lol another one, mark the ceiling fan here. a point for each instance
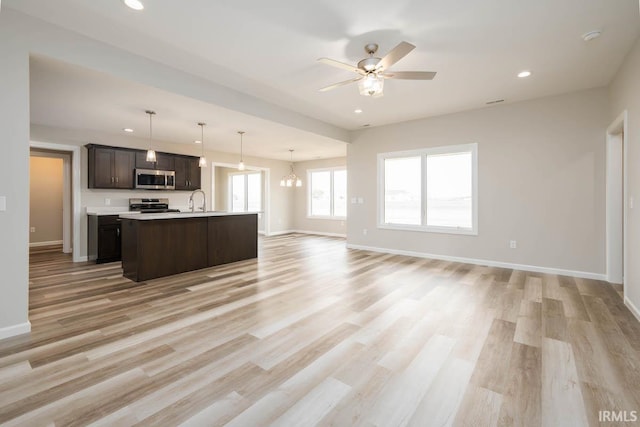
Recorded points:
(373, 70)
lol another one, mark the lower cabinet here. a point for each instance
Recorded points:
(104, 240)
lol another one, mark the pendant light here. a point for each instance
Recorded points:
(241, 164)
(203, 160)
(151, 154)
(291, 179)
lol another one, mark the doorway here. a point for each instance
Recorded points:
(48, 190)
(616, 196)
(70, 155)
(238, 191)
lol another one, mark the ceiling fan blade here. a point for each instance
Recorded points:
(409, 75)
(395, 55)
(341, 65)
(346, 82)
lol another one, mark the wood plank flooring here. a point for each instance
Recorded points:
(311, 333)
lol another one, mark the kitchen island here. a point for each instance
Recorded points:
(159, 245)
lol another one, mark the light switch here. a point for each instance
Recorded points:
(631, 202)
(3, 203)
(360, 200)
(354, 200)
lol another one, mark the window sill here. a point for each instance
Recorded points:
(423, 229)
(334, 218)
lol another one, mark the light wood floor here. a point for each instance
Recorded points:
(314, 334)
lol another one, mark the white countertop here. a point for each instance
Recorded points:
(109, 211)
(178, 215)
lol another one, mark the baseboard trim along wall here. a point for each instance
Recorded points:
(15, 330)
(523, 267)
(319, 233)
(51, 243)
(632, 308)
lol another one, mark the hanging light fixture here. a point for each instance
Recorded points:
(241, 164)
(371, 85)
(151, 155)
(291, 179)
(203, 160)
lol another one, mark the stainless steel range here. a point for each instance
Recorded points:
(150, 205)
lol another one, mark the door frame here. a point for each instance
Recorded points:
(616, 134)
(71, 174)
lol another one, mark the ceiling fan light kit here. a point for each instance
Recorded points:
(371, 85)
(373, 70)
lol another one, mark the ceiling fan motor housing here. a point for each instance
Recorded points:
(368, 64)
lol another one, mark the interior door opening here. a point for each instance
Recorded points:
(50, 220)
(615, 201)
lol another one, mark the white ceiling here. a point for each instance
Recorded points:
(269, 49)
(69, 96)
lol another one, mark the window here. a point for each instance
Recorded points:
(246, 192)
(433, 189)
(327, 194)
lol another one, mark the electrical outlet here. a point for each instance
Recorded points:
(513, 244)
(364, 231)
(107, 202)
(33, 229)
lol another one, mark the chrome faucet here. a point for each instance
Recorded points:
(204, 201)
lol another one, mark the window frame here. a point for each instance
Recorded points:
(331, 193)
(246, 190)
(423, 153)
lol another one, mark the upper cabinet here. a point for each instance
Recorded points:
(110, 167)
(187, 173)
(163, 162)
(114, 167)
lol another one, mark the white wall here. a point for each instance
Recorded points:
(300, 220)
(280, 199)
(14, 182)
(625, 95)
(541, 182)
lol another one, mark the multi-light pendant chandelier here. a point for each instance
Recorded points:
(241, 164)
(151, 154)
(203, 160)
(291, 179)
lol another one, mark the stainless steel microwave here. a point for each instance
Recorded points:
(151, 179)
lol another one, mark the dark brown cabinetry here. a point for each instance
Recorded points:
(232, 238)
(164, 161)
(187, 173)
(104, 238)
(114, 167)
(110, 167)
(161, 247)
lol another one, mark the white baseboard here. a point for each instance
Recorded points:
(280, 233)
(632, 308)
(320, 233)
(81, 259)
(15, 330)
(523, 267)
(51, 243)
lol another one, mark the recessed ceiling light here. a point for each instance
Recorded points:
(128, 130)
(523, 74)
(591, 35)
(134, 4)
(197, 141)
(357, 111)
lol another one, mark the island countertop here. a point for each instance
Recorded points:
(180, 215)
